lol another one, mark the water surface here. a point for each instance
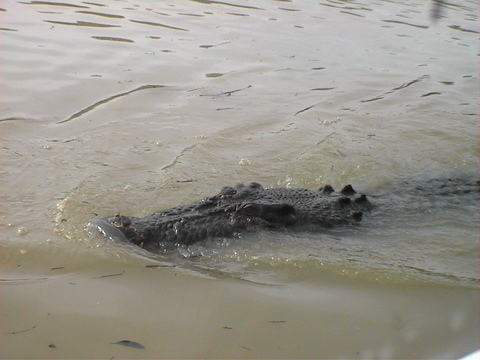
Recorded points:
(137, 106)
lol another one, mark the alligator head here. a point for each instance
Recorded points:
(239, 209)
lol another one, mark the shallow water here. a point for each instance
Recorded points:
(134, 107)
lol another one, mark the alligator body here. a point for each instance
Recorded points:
(240, 209)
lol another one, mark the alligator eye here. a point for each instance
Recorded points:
(248, 209)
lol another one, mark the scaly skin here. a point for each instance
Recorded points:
(240, 209)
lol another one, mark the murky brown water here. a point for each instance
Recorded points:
(137, 106)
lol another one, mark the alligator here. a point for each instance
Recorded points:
(239, 209)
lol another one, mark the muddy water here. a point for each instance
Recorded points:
(137, 106)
